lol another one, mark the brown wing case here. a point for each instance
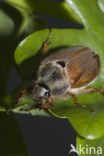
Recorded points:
(64, 55)
(83, 67)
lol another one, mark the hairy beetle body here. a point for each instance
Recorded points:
(76, 66)
(67, 72)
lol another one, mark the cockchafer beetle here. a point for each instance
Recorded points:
(65, 73)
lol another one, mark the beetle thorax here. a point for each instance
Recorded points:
(52, 76)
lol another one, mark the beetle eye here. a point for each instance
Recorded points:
(47, 94)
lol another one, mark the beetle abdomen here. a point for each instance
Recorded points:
(83, 67)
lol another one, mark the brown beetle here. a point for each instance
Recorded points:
(65, 73)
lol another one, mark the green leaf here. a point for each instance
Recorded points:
(101, 5)
(59, 10)
(27, 56)
(27, 50)
(90, 147)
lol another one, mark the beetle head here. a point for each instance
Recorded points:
(40, 91)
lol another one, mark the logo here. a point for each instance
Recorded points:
(85, 150)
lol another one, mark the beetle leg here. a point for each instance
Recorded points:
(80, 105)
(90, 90)
(29, 108)
(35, 106)
(46, 43)
(49, 103)
(47, 106)
(40, 105)
(22, 94)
